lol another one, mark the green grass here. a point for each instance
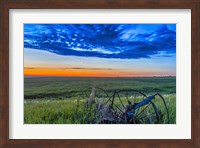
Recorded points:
(51, 100)
(57, 112)
(55, 87)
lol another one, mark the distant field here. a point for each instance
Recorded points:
(55, 87)
(52, 100)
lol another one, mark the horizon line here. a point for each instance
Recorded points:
(105, 76)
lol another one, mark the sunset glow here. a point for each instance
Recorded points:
(85, 73)
(100, 50)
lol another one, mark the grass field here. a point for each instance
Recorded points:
(53, 100)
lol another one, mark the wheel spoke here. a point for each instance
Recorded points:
(120, 100)
(143, 110)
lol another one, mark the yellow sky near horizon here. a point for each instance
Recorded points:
(86, 72)
(43, 63)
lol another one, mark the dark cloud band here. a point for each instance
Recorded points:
(124, 41)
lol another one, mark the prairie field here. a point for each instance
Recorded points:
(60, 100)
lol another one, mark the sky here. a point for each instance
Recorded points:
(100, 50)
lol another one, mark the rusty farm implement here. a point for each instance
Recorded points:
(125, 106)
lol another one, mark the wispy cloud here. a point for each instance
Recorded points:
(124, 41)
(68, 68)
(90, 68)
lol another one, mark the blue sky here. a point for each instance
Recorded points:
(132, 45)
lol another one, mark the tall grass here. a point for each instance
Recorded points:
(54, 100)
(65, 111)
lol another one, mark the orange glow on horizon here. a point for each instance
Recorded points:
(82, 72)
(61, 72)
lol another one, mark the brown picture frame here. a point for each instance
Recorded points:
(5, 5)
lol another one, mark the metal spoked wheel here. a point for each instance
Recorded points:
(124, 102)
(126, 107)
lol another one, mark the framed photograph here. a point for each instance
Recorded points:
(107, 73)
(99, 73)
